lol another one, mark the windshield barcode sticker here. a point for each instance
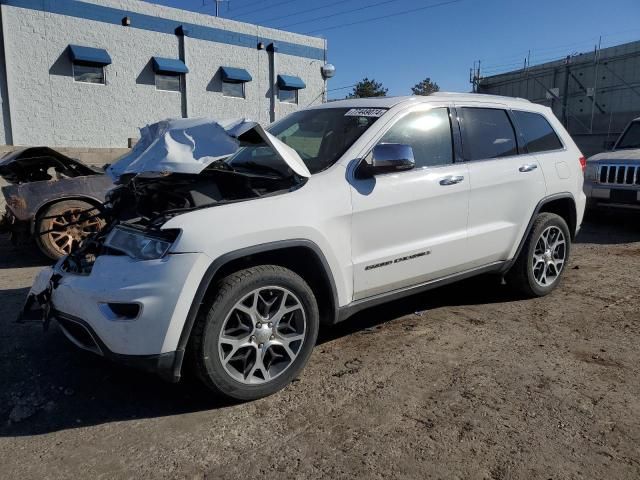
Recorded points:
(365, 112)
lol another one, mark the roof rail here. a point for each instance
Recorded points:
(481, 95)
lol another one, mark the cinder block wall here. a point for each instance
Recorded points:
(43, 105)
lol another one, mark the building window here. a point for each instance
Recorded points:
(233, 89)
(88, 73)
(88, 63)
(233, 80)
(288, 96)
(288, 87)
(170, 82)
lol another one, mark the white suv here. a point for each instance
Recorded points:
(231, 267)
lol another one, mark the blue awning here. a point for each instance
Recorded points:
(89, 55)
(169, 65)
(235, 75)
(289, 82)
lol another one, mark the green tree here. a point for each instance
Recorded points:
(425, 87)
(368, 88)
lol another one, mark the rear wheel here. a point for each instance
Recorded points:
(257, 334)
(543, 258)
(63, 225)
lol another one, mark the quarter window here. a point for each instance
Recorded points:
(288, 96)
(487, 133)
(538, 133)
(168, 82)
(233, 89)
(429, 135)
(88, 73)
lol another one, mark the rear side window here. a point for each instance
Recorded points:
(487, 133)
(538, 133)
(429, 135)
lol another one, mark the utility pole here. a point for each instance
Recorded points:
(217, 2)
(565, 94)
(595, 82)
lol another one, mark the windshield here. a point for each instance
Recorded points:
(631, 138)
(320, 137)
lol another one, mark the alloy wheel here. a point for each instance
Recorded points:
(66, 231)
(262, 335)
(549, 256)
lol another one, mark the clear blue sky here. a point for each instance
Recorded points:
(440, 42)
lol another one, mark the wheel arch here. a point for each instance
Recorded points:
(39, 211)
(562, 204)
(302, 256)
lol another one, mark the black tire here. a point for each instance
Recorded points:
(53, 238)
(521, 275)
(204, 352)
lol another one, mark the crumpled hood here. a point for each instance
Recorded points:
(189, 145)
(624, 154)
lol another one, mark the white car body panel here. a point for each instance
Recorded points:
(354, 223)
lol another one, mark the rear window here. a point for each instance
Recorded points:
(487, 133)
(538, 133)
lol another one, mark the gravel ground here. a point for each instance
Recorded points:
(466, 381)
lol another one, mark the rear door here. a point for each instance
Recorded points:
(410, 227)
(505, 186)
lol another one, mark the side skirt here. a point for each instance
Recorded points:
(354, 307)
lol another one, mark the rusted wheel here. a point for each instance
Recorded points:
(64, 225)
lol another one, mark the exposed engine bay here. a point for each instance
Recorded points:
(145, 199)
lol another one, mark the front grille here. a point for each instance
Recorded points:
(619, 174)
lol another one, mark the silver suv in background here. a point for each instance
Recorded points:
(613, 178)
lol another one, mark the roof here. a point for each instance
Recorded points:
(388, 102)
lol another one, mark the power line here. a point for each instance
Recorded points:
(264, 8)
(304, 11)
(366, 7)
(251, 4)
(435, 5)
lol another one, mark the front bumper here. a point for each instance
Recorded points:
(612, 195)
(166, 365)
(163, 289)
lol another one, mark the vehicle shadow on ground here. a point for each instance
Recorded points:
(48, 385)
(609, 227)
(20, 256)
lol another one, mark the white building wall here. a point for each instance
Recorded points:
(48, 107)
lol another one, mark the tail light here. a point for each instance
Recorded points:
(583, 164)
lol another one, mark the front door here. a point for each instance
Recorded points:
(410, 227)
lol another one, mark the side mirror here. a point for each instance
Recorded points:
(391, 157)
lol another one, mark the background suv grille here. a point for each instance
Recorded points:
(619, 174)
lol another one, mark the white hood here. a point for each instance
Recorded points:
(189, 145)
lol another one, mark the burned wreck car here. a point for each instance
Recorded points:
(51, 198)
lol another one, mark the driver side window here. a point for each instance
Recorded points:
(429, 135)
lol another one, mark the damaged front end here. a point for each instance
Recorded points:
(181, 166)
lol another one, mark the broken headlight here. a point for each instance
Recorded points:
(140, 245)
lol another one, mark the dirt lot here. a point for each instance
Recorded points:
(464, 382)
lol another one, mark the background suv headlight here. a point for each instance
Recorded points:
(592, 171)
(141, 245)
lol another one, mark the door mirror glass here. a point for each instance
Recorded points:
(392, 157)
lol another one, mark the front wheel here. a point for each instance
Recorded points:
(543, 258)
(257, 334)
